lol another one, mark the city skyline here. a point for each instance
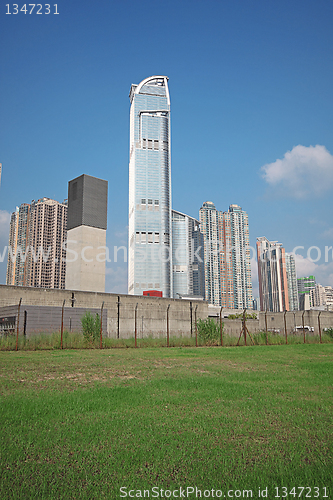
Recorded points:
(251, 114)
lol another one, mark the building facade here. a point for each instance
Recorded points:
(272, 275)
(150, 222)
(37, 255)
(304, 287)
(86, 234)
(187, 256)
(226, 256)
(292, 282)
(11, 262)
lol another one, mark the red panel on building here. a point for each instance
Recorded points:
(153, 293)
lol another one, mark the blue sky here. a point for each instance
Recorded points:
(249, 82)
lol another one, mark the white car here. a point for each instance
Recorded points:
(307, 328)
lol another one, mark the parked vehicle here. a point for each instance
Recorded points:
(307, 328)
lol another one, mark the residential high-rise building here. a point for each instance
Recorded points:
(11, 262)
(150, 222)
(37, 256)
(318, 295)
(292, 282)
(187, 256)
(86, 234)
(304, 286)
(226, 256)
(208, 216)
(272, 275)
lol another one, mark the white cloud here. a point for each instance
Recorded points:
(328, 233)
(303, 171)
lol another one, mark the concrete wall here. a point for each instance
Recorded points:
(47, 319)
(152, 312)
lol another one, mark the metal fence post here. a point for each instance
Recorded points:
(319, 326)
(118, 316)
(285, 326)
(62, 324)
(221, 326)
(303, 325)
(196, 326)
(101, 330)
(266, 327)
(191, 308)
(135, 324)
(168, 325)
(18, 323)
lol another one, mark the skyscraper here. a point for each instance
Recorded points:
(292, 282)
(187, 256)
(11, 262)
(304, 286)
(272, 275)
(150, 223)
(36, 254)
(227, 256)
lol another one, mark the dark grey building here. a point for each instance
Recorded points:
(86, 233)
(87, 202)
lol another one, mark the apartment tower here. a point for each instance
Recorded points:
(37, 236)
(226, 256)
(272, 275)
(150, 222)
(187, 256)
(292, 282)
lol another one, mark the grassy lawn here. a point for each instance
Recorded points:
(81, 424)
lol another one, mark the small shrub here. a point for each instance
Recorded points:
(91, 326)
(241, 315)
(329, 331)
(208, 331)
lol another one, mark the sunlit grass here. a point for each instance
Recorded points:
(82, 424)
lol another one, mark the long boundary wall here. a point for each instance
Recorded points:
(151, 312)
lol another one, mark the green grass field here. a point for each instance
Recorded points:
(81, 424)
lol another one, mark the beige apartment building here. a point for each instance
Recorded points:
(36, 254)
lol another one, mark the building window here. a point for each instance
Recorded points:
(150, 202)
(157, 237)
(150, 237)
(143, 201)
